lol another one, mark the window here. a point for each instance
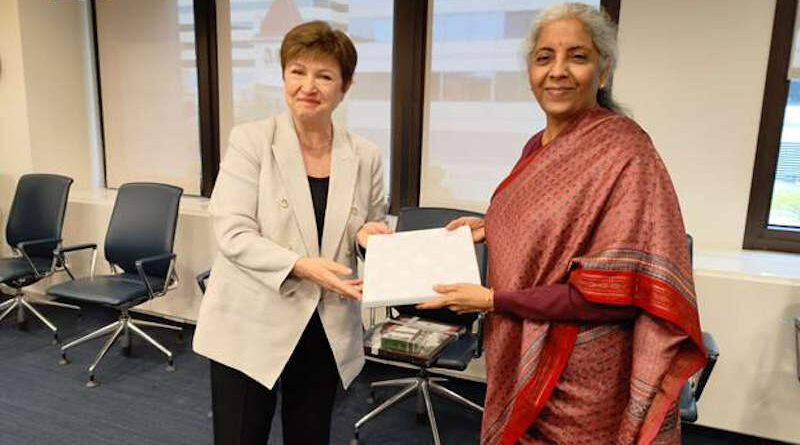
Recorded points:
(480, 108)
(257, 29)
(146, 54)
(773, 216)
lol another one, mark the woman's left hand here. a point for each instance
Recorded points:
(371, 228)
(461, 298)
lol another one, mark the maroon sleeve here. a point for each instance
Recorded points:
(558, 302)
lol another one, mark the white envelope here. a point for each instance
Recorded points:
(403, 267)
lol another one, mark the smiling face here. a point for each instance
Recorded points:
(564, 70)
(313, 87)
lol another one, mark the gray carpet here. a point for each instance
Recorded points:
(138, 402)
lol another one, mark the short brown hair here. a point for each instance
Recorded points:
(317, 38)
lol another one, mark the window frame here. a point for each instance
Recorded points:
(758, 233)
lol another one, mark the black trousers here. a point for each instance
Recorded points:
(243, 408)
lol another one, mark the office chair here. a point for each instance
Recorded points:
(33, 231)
(693, 388)
(202, 280)
(139, 241)
(455, 356)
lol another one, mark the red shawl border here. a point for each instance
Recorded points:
(650, 294)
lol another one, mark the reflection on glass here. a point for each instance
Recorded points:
(785, 207)
(481, 108)
(257, 29)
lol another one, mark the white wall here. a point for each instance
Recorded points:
(47, 123)
(693, 74)
(58, 87)
(14, 135)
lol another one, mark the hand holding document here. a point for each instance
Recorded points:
(403, 267)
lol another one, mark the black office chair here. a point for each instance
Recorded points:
(456, 355)
(33, 231)
(139, 241)
(693, 388)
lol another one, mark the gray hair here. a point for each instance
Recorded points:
(600, 28)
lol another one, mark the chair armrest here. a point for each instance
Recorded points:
(62, 250)
(201, 280)
(479, 348)
(24, 245)
(140, 263)
(59, 252)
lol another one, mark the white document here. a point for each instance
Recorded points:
(403, 267)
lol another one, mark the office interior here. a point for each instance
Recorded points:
(692, 73)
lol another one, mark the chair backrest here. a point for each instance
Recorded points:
(418, 218)
(37, 211)
(142, 225)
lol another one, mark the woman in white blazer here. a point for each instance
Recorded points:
(293, 196)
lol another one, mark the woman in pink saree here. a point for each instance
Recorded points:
(593, 325)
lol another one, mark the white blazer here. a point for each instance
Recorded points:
(254, 311)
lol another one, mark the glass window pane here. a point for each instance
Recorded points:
(481, 109)
(257, 29)
(146, 55)
(785, 207)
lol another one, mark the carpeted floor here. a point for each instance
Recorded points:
(138, 402)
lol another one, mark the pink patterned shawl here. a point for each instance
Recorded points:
(596, 207)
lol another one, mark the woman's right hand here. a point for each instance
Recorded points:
(326, 273)
(475, 224)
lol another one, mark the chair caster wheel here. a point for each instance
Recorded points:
(422, 418)
(355, 441)
(64, 360)
(92, 383)
(126, 351)
(180, 339)
(371, 397)
(170, 366)
(55, 339)
(22, 325)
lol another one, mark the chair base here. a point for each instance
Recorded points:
(120, 328)
(424, 384)
(22, 304)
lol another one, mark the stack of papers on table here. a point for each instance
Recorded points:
(403, 267)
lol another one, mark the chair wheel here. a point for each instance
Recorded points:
(371, 397)
(170, 366)
(355, 441)
(23, 325)
(55, 339)
(422, 418)
(126, 351)
(92, 383)
(64, 360)
(180, 339)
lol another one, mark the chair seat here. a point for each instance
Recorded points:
(112, 290)
(18, 267)
(458, 354)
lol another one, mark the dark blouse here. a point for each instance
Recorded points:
(559, 302)
(319, 196)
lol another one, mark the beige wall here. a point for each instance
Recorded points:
(692, 72)
(14, 135)
(58, 87)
